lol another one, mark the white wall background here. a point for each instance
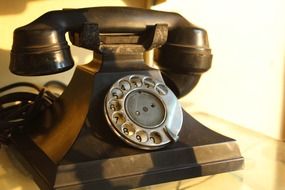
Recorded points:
(245, 84)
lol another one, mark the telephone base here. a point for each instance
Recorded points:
(199, 152)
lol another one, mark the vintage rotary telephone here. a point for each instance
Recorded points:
(115, 95)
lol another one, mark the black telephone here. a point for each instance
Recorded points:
(115, 95)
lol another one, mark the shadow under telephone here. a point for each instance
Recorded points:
(116, 102)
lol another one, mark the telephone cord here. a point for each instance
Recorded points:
(20, 107)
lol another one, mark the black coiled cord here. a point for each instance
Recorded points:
(19, 108)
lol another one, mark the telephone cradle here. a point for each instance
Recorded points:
(118, 124)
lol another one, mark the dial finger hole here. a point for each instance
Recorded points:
(141, 136)
(128, 129)
(161, 89)
(136, 81)
(125, 85)
(118, 118)
(117, 93)
(149, 83)
(115, 105)
(155, 138)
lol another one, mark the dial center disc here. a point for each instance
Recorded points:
(145, 109)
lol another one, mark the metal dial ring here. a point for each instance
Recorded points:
(143, 112)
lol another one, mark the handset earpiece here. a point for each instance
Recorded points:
(183, 59)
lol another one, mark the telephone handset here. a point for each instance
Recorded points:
(137, 102)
